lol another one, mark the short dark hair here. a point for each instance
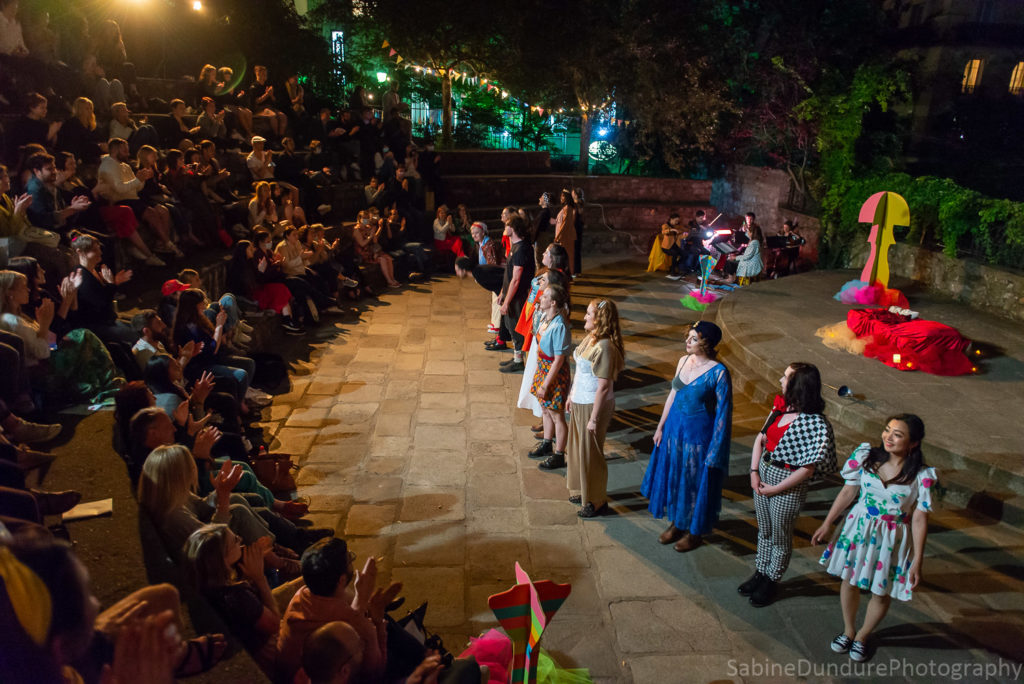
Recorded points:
(173, 157)
(700, 212)
(38, 160)
(751, 214)
(324, 563)
(519, 227)
(559, 256)
(465, 263)
(803, 389)
(33, 100)
(144, 319)
(61, 160)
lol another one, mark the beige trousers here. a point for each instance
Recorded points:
(587, 471)
(495, 311)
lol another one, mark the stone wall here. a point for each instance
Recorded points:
(764, 192)
(989, 288)
(494, 161)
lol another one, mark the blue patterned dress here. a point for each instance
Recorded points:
(684, 477)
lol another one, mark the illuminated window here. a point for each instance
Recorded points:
(1017, 80)
(972, 75)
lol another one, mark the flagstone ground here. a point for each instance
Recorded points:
(412, 449)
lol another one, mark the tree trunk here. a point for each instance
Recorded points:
(584, 164)
(446, 111)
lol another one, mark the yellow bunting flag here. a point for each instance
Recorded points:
(386, 44)
(399, 60)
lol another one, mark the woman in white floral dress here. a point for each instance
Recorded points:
(880, 547)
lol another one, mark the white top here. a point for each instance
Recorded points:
(584, 387)
(36, 348)
(117, 181)
(441, 230)
(143, 351)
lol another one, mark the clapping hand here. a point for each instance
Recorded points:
(205, 440)
(222, 318)
(145, 651)
(366, 580)
(381, 599)
(427, 671)
(192, 426)
(251, 565)
(201, 390)
(68, 289)
(22, 203)
(226, 479)
(261, 266)
(80, 203)
(44, 314)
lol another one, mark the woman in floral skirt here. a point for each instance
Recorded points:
(881, 545)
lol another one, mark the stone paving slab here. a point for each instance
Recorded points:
(420, 455)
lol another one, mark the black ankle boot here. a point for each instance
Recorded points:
(764, 594)
(555, 460)
(543, 449)
(748, 587)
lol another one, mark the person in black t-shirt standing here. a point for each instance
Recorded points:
(519, 272)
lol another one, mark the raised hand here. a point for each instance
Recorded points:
(226, 479)
(80, 203)
(251, 565)
(222, 318)
(201, 390)
(22, 203)
(366, 580)
(123, 277)
(205, 440)
(145, 651)
(381, 599)
(107, 274)
(192, 425)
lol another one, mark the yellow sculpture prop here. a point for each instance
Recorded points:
(884, 211)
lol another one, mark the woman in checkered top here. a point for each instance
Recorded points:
(795, 445)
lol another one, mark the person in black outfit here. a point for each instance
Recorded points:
(540, 234)
(577, 195)
(519, 271)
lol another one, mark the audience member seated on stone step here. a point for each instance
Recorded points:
(323, 260)
(22, 503)
(49, 210)
(95, 294)
(106, 223)
(64, 297)
(260, 161)
(31, 128)
(445, 239)
(15, 383)
(265, 102)
(178, 129)
(190, 408)
(328, 571)
(154, 338)
(188, 188)
(22, 236)
(80, 135)
(234, 101)
(374, 193)
(159, 199)
(239, 332)
(210, 124)
(263, 209)
(119, 185)
(244, 276)
(286, 196)
(104, 92)
(124, 127)
(191, 324)
(311, 292)
(231, 576)
(59, 631)
(367, 235)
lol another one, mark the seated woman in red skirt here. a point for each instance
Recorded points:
(445, 239)
(253, 278)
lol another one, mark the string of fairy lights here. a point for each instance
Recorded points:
(492, 86)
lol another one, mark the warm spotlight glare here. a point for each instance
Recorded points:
(197, 5)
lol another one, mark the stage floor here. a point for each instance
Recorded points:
(411, 447)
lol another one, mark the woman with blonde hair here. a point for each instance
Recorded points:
(230, 576)
(79, 134)
(262, 208)
(232, 100)
(599, 359)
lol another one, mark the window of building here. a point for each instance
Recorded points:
(1017, 79)
(972, 75)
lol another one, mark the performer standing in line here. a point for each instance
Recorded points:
(551, 381)
(795, 444)
(578, 198)
(691, 445)
(565, 228)
(599, 359)
(881, 545)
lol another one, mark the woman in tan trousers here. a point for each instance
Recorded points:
(565, 227)
(599, 359)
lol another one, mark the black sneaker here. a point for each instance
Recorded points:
(290, 328)
(554, 461)
(514, 367)
(748, 587)
(494, 346)
(842, 643)
(543, 449)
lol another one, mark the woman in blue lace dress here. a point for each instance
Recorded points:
(691, 445)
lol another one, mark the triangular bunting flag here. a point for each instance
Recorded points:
(393, 52)
(399, 60)
(386, 44)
